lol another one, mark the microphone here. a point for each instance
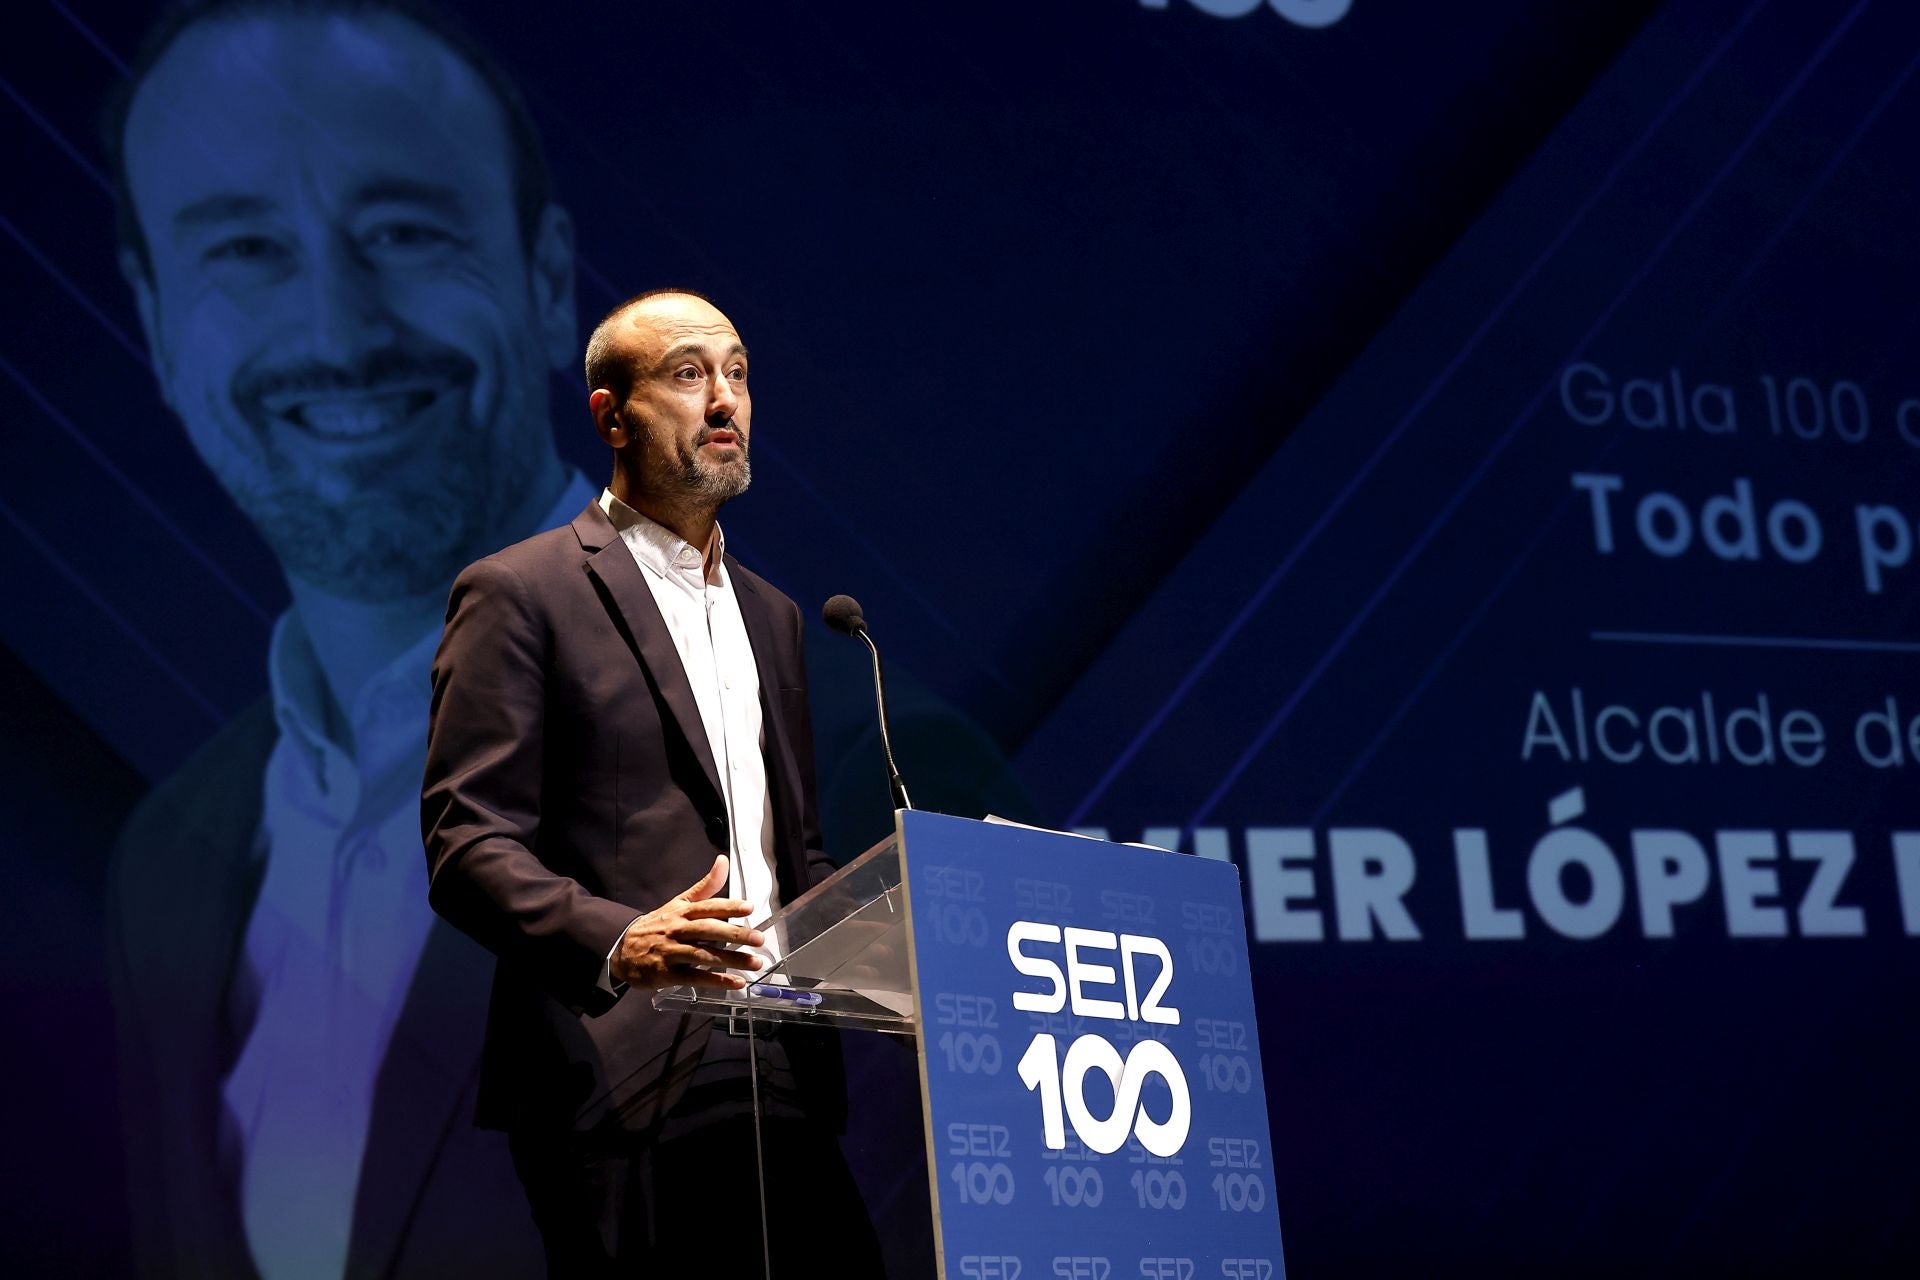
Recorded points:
(842, 613)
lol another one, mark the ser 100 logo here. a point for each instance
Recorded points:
(1301, 13)
(1062, 1085)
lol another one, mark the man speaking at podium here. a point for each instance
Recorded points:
(619, 778)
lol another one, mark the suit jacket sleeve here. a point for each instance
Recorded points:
(480, 800)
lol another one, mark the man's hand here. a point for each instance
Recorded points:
(668, 947)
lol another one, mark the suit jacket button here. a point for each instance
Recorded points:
(717, 830)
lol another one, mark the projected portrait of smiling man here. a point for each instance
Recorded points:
(351, 296)
(353, 284)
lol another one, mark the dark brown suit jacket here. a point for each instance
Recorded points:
(569, 787)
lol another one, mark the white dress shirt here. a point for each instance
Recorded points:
(332, 944)
(703, 617)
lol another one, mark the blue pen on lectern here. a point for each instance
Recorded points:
(806, 998)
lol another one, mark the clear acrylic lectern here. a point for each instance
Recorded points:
(1075, 995)
(839, 958)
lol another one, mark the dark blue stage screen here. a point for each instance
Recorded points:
(1455, 462)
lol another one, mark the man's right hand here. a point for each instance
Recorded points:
(673, 945)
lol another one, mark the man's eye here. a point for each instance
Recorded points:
(244, 249)
(688, 374)
(406, 237)
(737, 374)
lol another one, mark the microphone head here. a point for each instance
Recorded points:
(842, 613)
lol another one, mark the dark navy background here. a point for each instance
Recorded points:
(1180, 396)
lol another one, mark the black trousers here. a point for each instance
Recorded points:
(617, 1204)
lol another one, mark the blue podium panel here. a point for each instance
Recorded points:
(1089, 1060)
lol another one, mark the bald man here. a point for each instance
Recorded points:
(619, 779)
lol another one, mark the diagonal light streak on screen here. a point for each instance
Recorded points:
(72, 290)
(147, 504)
(1772, 242)
(1445, 655)
(1340, 499)
(59, 139)
(1839, 157)
(597, 279)
(92, 37)
(1506, 437)
(85, 441)
(99, 602)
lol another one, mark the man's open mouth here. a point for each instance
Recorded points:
(347, 416)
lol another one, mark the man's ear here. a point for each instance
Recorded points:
(552, 272)
(134, 272)
(607, 420)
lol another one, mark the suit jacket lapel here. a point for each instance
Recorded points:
(423, 1091)
(625, 584)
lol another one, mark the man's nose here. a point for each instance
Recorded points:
(347, 307)
(723, 401)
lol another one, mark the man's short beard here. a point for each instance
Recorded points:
(398, 524)
(707, 482)
(389, 541)
(379, 534)
(715, 483)
(376, 549)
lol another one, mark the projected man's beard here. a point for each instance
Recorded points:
(380, 481)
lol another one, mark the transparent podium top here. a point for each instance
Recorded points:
(838, 952)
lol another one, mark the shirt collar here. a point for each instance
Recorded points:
(659, 549)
